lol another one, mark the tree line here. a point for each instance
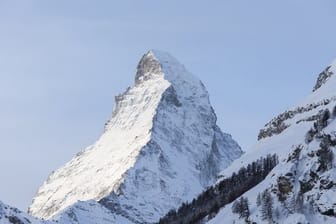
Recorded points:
(208, 203)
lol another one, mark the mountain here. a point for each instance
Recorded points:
(298, 187)
(160, 148)
(162, 158)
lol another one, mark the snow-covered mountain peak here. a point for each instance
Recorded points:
(161, 147)
(157, 72)
(159, 63)
(148, 68)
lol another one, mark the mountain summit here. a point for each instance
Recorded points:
(160, 148)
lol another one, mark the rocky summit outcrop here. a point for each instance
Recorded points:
(160, 148)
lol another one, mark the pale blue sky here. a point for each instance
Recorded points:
(62, 62)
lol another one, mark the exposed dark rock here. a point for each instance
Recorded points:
(296, 154)
(323, 78)
(289, 174)
(284, 187)
(326, 184)
(306, 186)
(170, 97)
(329, 212)
(147, 66)
(15, 220)
(277, 125)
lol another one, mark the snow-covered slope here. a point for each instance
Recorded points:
(88, 212)
(161, 147)
(10, 215)
(303, 184)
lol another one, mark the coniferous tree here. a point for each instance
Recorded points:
(322, 120)
(310, 135)
(325, 154)
(267, 206)
(236, 207)
(246, 209)
(241, 208)
(258, 200)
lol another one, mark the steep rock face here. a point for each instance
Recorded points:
(302, 185)
(161, 147)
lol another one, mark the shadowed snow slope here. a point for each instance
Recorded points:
(161, 147)
(10, 215)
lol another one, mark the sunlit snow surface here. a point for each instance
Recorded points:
(161, 147)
